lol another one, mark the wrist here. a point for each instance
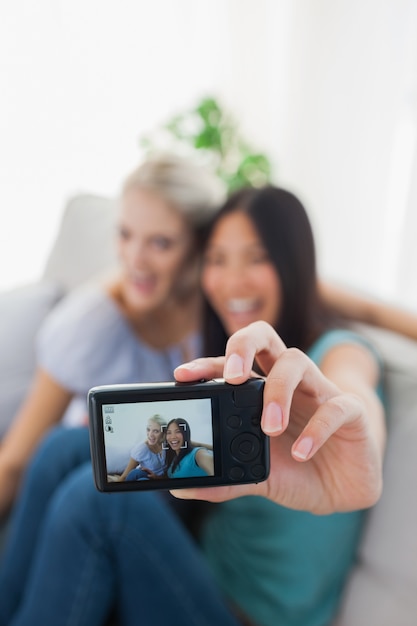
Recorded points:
(9, 466)
(10, 476)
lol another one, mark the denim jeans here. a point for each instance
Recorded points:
(61, 451)
(74, 553)
(137, 474)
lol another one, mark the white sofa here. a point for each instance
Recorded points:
(382, 589)
(82, 250)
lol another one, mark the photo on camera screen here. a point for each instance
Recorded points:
(158, 440)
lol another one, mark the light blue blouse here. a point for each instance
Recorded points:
(86, 341)
(151, 460)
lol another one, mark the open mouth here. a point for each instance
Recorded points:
(242, 305)
(143, 282)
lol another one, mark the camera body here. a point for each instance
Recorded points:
(208, 419)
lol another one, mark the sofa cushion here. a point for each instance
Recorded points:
(22, 312)
(85, 245)
(117, 458)
(382, 587)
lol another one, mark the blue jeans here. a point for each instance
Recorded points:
(59, 453)
(74, 553)
(137, 474)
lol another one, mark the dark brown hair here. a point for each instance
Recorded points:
(285, 231)
(172, 459)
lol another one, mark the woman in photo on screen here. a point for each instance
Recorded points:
(184, 459)
(147, 458)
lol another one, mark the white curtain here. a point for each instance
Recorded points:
(327, 88)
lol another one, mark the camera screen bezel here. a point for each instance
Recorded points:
(219, 394)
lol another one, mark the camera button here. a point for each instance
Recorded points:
(245, 447)
(234, 421)
(255, 420)
(258, 471)
(236, 473)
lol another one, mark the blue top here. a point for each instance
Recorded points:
(283, 567)
(188, 467)
(154, 461)
(86, 341)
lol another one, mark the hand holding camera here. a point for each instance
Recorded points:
(326, 442)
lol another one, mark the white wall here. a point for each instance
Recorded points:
(327, 88)
(80, 82)
(352, 78)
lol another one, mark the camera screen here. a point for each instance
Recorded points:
(155, 440)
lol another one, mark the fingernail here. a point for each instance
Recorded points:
(303, 448)
(233, 367)
(272, 419)
(187, 366)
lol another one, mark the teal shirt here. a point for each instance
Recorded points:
(283, 567)
(188, 466)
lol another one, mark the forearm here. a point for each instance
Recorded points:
(204, 460)
(356, 372)
(42, 408)
(393, 318)
(370, 311)
(130, 466)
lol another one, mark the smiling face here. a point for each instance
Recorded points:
(175, 437)
(238, 277)
(154, 433)
(154, 243)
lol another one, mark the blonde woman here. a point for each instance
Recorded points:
(136, 327)
(148, 456)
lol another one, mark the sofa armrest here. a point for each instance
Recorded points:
(382, 586)
(22, 311)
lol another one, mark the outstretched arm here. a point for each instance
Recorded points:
(129, 467)
(357, 307)
(204, 459)
(326, 426)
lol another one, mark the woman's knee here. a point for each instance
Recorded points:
(79, 505)
(74, 501)
(60, 451)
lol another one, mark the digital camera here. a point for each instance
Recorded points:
(177, 435)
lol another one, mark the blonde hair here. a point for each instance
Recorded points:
(158, 419)
(161, 421)
(193, 190)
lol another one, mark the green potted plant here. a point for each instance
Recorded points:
(213, 133)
